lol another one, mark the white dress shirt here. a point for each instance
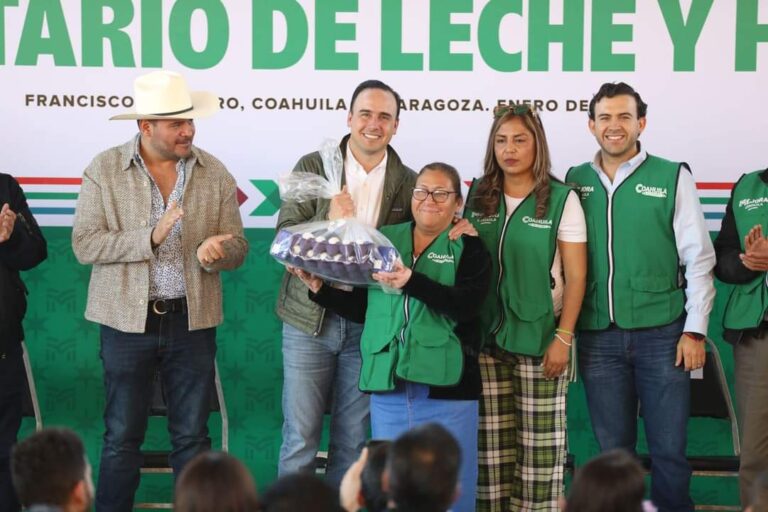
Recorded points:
(366, 188)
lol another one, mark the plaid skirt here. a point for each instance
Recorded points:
(522, 442)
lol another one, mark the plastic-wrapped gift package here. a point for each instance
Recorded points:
(343, 251)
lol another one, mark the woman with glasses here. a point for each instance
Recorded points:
(419, 346)
(534, 227)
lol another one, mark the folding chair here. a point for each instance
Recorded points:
(30, 406)
(711, 398)
(156, 461)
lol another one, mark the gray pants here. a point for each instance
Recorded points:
(751, 362)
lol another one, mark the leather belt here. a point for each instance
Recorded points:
(163, 306)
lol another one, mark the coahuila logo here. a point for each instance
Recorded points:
(538, 223)
(484, 219)
(753, 204)
(440, 258)
(645, 190)
(585, 190)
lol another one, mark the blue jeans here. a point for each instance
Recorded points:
(186, 362)
(11, 393)
(620, 367)
(318, 372)
(409, 405)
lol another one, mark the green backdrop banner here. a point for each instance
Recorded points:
(64, 349)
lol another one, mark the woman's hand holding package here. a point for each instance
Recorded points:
(395, 279)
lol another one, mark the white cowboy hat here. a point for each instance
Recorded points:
(164, 95)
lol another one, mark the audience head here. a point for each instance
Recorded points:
(215, 482)
(423, 469)
(611, 482)
(50, 468)
(300, 491)
(374, 497)
(759, 497)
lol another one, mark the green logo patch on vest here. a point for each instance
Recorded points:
(753, 204)
(649, 191)
(537, 223)
(440, 258)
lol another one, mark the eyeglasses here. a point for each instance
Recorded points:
(519, 109)
(438, 196)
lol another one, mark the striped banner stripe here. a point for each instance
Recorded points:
(713, 197)
(51, 199)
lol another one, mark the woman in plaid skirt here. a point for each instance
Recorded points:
(534, 227)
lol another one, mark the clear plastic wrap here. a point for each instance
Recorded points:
(344, 251)
(305, 186)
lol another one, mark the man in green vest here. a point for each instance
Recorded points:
(742, 260)
(649, 292)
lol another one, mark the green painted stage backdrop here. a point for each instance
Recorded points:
(64, 349)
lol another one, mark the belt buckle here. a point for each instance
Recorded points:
(157, 311)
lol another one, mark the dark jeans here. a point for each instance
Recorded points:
(186, 362)
(11, 393)
(620, 367)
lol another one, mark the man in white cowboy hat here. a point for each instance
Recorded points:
(158, 219)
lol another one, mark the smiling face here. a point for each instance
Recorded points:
(617, 127)
(430, 216)
(168, 139)
(372, 123)
(515, 148)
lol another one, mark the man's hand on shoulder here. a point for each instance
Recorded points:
(7, 221)
(342, 205)
(461, 227)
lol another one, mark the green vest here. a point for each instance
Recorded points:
(633, 270)
(748, 302)
(518, 314)
(404, 338)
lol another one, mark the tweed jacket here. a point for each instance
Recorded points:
(112, 232)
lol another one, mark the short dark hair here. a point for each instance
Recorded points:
(450, 171)
(375, 84)
(611, 481)
(215, 481)
(612, 89)
(370, 479)
(423, 469)
(47, 466)
(300, 491)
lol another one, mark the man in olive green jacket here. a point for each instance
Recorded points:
(321, 351)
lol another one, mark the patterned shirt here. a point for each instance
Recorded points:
(166, 271)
